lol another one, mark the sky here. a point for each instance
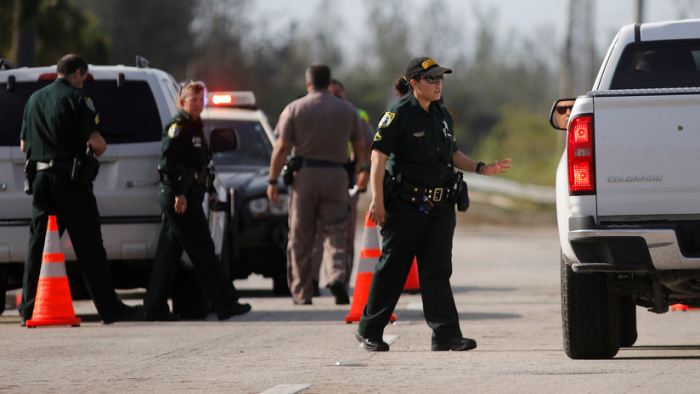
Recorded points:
(519, 16)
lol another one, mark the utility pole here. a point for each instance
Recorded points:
(578, 54)
(638, 10)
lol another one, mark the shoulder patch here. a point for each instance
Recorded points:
(89, 103)
(386, 119)
(174, 130)
(377, 137)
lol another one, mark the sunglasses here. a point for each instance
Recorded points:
(563, 109)
(187, 82)
(432, 80)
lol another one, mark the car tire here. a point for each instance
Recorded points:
(628, 321)
(590, 315)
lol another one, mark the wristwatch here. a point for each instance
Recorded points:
(478, 167)
(272, 181)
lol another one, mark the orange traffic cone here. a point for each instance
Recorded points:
(681, 307)
(368, 260)
(53, 305)
(412, 285)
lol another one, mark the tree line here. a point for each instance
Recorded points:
(499, 94)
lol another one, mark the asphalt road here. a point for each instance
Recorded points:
(506, 286)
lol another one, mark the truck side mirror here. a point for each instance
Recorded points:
(223, 140)
(560, 112)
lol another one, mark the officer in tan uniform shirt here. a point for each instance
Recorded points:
(318, 126)
(330, 270)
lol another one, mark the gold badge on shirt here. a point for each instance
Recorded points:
(386, 119)
(174, 130)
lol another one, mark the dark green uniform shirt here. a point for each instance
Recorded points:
(185, 154)
(419, 143)
(58, 120)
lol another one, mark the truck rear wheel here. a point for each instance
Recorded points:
(628, 322)
(590, 315)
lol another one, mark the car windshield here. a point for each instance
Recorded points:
(254, 146)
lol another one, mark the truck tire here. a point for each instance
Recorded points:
(628, 322)
(3, 294)
(590, 315)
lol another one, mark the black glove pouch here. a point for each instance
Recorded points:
(292, 165)
(29, 175)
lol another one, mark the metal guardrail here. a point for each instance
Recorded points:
(512, 189)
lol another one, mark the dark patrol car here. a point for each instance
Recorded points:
(255, 230)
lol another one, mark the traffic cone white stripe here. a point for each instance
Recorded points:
(54, 269)
(367, 264)
(370, 240)
(52, 244)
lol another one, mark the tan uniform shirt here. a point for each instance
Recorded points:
(319, 126)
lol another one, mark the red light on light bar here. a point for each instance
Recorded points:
(221, 99)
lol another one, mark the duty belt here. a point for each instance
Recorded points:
(436, 194)
(320, 163)
(56, 164)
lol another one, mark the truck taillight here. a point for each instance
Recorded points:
(580, 155)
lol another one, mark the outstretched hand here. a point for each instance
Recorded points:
(497, 167)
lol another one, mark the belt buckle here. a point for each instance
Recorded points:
(437, 194)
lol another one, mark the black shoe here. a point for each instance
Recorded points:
(317, 291)
(455, 344)
(372, 345)
(307, 302)
(237, 310)
(339, 292)
(127, 313)
(166, 316)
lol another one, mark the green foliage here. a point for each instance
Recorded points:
(47, 30)
(7, 11)
(63, 28)
(529, 140)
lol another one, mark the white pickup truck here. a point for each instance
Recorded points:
(628, 189)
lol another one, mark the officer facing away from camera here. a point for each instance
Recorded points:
(60, 122)
(319, 126)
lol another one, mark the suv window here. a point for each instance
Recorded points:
(127, 114)
(254, 146)
(659, 64)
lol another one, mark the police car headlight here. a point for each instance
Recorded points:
(258, 206)
(281, 207)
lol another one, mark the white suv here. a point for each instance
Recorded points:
(133, 103)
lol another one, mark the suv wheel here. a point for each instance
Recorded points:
(590, 315)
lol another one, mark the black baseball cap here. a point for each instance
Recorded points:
(424, 66)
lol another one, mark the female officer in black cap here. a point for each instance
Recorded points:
(415, 143)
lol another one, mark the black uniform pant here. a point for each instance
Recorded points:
(75, 208)
(189, 232)
(408, 233)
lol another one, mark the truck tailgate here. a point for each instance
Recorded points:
(647, 152)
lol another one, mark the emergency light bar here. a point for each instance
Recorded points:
(231, 99)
